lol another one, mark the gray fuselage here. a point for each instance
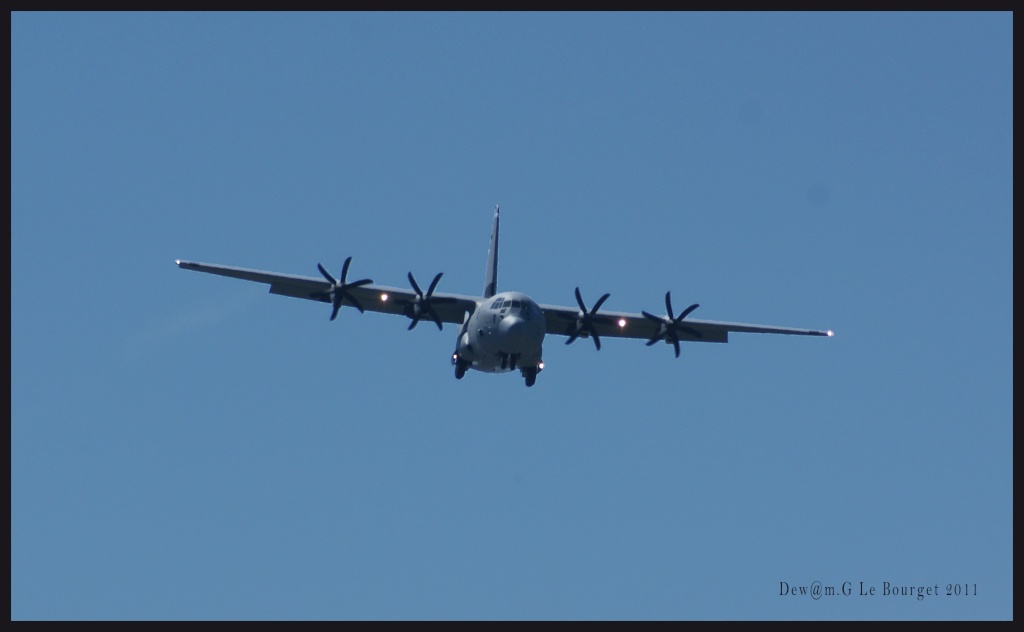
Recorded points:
(505, 332)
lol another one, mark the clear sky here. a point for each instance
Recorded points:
(185, 446)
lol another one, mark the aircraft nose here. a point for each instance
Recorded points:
(515, 331)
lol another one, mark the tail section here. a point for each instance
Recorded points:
(491, 280)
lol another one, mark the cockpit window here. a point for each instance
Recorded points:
(512, 304)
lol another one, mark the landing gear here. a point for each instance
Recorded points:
(530, 375)
(508, 361)
(460, 366)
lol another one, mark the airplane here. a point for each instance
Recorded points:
(498, 332)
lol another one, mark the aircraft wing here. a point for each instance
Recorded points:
(563, 321)
(450, 308)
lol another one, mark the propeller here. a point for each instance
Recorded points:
(423, 305)
(585, 321)
(670, 327)
(339, 292)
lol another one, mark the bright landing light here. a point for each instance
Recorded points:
(622, 323)
(383, 298)
(830, 333)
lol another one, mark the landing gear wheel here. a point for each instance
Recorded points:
(460, 368)
(530, 375)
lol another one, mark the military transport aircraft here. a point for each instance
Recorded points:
(499, 331)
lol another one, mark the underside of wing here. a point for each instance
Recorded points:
(432, 306)
(566, 321)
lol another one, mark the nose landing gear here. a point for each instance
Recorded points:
(508, 361)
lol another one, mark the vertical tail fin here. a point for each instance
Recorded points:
(491, 279)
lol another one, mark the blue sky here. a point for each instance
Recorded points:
(185, 446)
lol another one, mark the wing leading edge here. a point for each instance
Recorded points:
(450, 308)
